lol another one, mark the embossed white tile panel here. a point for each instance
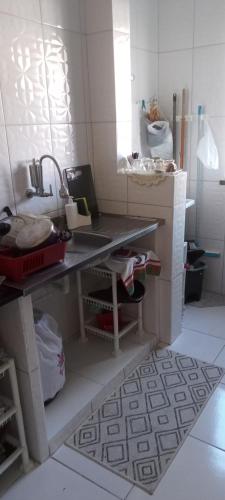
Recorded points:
(27, 142)
(61, 13)
(109, 185)
(70, 147)
(29, 9)
(161, 195)
(63, 53)
(69, 143)
(22, 71)
(178, 239)
(6, 188)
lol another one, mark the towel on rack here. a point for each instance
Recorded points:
(133, 263)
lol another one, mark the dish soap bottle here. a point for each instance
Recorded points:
(71, 213)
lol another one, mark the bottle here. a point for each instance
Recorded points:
(71, 214)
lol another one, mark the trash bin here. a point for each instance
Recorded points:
(194, 281)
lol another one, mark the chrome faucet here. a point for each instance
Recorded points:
(36, 175)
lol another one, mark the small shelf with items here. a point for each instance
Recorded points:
(118, 328)
(12, 435)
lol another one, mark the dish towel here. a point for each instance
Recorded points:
(133, 263)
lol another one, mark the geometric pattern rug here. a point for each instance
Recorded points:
(138, 430)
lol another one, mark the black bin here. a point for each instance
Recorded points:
(194, 282)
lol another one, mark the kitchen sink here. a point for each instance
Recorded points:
(87, 242)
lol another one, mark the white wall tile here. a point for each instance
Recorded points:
(121, 15)
(122, 72)
(22, 71)
(176, 22)
(209, 22)
(214, 272)
(6, 187)
(61, 13)
(63, 53)
(29, 9)
(144, 63)
(27, 142)
(98, 15)
(101, 77)
(162, 194)
(144, 24)
(170, 309)
(112, 207)
(211, 209)
(109, 185)
(173, 80)
(209, 79)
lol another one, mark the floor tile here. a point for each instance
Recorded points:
(76, 394)
(198, 345)
(220, 360)
(91, 470)
(210, 426)
(95, 361)
(197, 473)
(53, 481)
(209, 320)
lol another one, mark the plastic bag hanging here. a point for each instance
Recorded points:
(207, 151)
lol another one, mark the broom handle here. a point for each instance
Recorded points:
(174, 126)
(182, 137)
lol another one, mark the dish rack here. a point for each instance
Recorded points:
(16, 268)
(114, 306)
(10, 409)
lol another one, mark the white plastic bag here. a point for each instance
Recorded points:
(160, 140)
(51, 355)
(207, 151)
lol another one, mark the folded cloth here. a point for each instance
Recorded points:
(133, 263)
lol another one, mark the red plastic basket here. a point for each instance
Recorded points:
(17, 268)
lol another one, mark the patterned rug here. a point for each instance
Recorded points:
(140, 427)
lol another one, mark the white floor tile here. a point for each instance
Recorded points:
(209, 320)
(198, 346)
(53, 481)
(95, 360)
(210, 426)
(220, 360)
(197, 473)
(75, 396)
(91, 470)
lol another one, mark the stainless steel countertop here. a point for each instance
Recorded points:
(122, 230)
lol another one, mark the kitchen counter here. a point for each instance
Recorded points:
(121, 230)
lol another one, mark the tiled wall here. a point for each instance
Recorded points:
(192, 55)
(144, 58)
(44, 104)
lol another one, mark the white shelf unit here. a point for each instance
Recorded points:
(12, 410)
(114, 306)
